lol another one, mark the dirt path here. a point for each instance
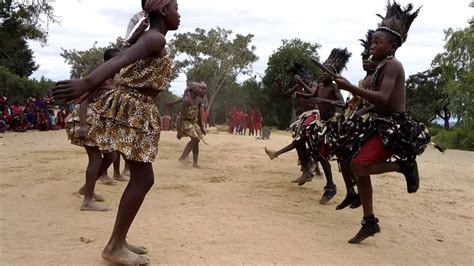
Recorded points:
(239, 209)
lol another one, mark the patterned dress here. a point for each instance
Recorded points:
(190, 124)
(127, 120)
(72, 122)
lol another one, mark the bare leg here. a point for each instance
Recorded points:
(274, 154)
(369, 223)
(330, 189)
(352, 198)
(375, 169)
(126, 167)
(316, 168)
(117, 176)
(141, 180)
(305, 163)
(187, 149)
(196, 153)
(92, 172)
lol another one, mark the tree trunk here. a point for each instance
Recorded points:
(446, 118)
(446, 122)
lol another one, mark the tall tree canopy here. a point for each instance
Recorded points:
(83, 62)
(426, 97)
(457, 71)
(278, 108)
(214, 56)
(21, 21)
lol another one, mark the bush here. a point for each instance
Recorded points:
(460, 138)
(434, 130)
(17, 88)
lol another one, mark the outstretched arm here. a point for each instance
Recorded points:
(288, 92)
(150, 43)
(171, 104)
(380, 97)
(316, 100)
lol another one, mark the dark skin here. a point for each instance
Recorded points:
(327, 97)
(355, 102)
(389, 96)
(301, 87)
(149, 44)
(195, 97)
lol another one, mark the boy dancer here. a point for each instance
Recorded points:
(388, 131)
(307, 116)
(327, 97)
(355, 109)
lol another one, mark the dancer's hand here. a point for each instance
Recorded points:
(69, 90)
(343, 83)
(203, 131)
(83, 131)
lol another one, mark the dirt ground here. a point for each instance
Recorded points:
(239, 209)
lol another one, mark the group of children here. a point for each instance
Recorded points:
(121, 116)
(239, 121)
(370, 134)
(35, 114)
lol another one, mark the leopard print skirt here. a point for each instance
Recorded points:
(128, 122)
(72, 128)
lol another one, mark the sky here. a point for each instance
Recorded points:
(332, 24)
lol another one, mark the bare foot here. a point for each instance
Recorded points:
(107, 180)
(126, 172)
(271, 154)
(197, 166)
(96, 196)
(120, 178)
(183, 162)
(94, 206)
(124, 256)
(303, 179)
(137, 249)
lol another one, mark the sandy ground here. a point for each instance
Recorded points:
(239, 209)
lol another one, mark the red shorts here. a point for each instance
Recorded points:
(324, 149)
(309, 119)
(373, 151)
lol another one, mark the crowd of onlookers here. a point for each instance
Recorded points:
(242, 122)
(37, 114)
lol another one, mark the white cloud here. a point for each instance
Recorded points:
(335, 23)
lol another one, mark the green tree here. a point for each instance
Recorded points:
(278, 108)
(83, 62)
(213, 56)
(17, 88)
(21, 21)
(457, 71)
(426, 98)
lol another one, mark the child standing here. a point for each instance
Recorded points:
(128, 119)
(388, 131)
(77, 128)
(190, 124)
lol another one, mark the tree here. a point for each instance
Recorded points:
(278, 108)
(83, 62)
(17, 88)
(457, 71)
(213, 56)
(21, 21)
(426, 98)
